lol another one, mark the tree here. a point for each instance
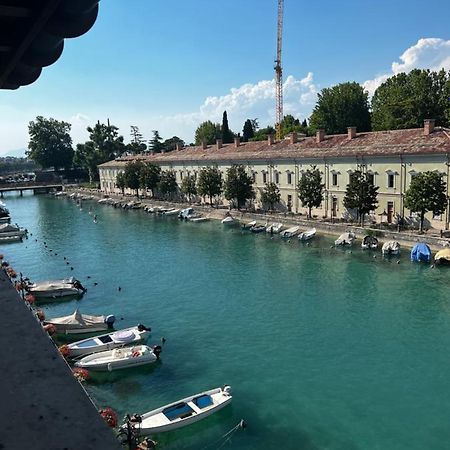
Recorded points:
(270, 195)
(155, 143)
(405, 100)
(149, 176)
(426, 193)
(188, 186)
(137, 144)
(238, 186)
(105, 144)
(227, 134)
(341, 106)
(171, 143)
(263, 133)
(310, 189)
(361, 194)
(50, 143)
(168, 183)
(132, 175)
(209, 182)
(248, 131)
(207, 132)
(290, 124)
(120, 182)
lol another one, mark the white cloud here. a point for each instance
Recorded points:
(427, 53)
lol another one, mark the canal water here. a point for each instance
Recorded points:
(324, 348)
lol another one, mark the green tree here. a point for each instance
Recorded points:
(168, 183)
(405, 100)
(209, 182)
(426, 193)
(171, 143)
(361, 194)
(120, 182)
(290, 124)
(227, 134)
(105, 144)
(238, 186)
(136, 144)
(207, 132)
(270, 195)
(50, 143)
(263, 133)
(155, 143)
(132, 175)
(149, 176)
(189, 186)
(341, 106)
(248, 131)
(310, 189)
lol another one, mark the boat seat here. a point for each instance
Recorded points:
(203, 401)
(181, 411)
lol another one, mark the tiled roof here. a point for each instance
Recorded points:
(377, 143)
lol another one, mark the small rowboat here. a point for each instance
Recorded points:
(274, 228)
(56, 288)
(228, 220)
(307, 235)
(109, 341)
(184, 412)
(290, 232)
(345, 239)
(120, 358)
(171, 212)
(369, 242)
(442, 257)
(249, 225)
(390, 248)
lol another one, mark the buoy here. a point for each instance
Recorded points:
(71, 268)
(119, 288)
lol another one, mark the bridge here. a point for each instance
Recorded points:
(38, 187)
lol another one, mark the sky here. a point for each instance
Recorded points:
(169, 65)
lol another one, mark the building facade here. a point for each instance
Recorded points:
(390, 158)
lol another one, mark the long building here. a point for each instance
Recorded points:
(390, 158)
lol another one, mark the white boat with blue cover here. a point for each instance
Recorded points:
(183, 412)
(109, 341)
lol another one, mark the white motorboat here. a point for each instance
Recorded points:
(6, 239)
(78, 323)
(183, 412)
(171, 212)
(198, 218)
(345, 239)
(120, 358)
(290, 232)
(186, 213)
(104, 200)
(228, 220)
(109, 341)
(307, 235)
(249, 225)
(8, 229)
(56, 288)
(369, 243)
(274, 228)
(390, 248)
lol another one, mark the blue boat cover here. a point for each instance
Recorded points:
(421, 252)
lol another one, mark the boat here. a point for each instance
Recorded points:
(56, 288)
(6, 239)
(187, 213)
(104, 200)
(369, 242)
(171, 212)
(109, 341)
(120, 358)
(198, 218)
(78, 323)
(6, 229)
(274, 228)
(307, 235)
(290, 232)
(183, 412)
(421, 253)
(345, 239)
(228, 220)
(442, 257)
(258, 228)
(249, 225)
(390, 248)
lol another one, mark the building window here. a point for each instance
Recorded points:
(289, 203)
(254, 177)
(181, 175)
(390, 180)
(334, 179)
(264, 177)
(371, 178)
(277, 177)
(289, 178)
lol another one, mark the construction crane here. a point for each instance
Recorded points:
(279, 74)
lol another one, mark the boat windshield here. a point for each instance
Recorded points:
(105, 339)
(87, 343)
(179, 411)
(202, 401)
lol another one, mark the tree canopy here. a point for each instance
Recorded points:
(209, 182)
(227, 134)
(426, 192)
(341, 106)
(168, 183)
(189, 186)
(207, 132)
(405, 100)
(238, 186)
(136, 144)
(361, 194)
(120, 182)
(132, 175)
(50, 143)
(270, 195)
(290, 124)
(171, 143)
(155, 143)
(263, 133)
(310, 189)
(149, 176)
(249, 129)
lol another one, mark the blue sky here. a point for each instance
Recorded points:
(170, 64)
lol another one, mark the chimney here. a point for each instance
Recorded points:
(237, 141)
(219, 143)
(351, 133)
(428, 126)
(178, 147)
(162, 152)
(320, 135)
(293, 137)
(270, 139)
(204, 145)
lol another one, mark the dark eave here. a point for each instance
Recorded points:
(32, 34)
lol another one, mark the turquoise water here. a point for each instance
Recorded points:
(324, 348)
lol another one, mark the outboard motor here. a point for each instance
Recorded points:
(157, 349)
(141, 327)
(227, 390)
(109, 320)
(77, 284)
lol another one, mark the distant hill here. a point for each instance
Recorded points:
(18, 153)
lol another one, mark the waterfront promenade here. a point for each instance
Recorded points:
(43, 406)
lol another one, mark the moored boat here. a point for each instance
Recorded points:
(390, 248)
(198, 218)
(421, 253)
(56, 288)
(8, 229)
(369, 242)
(186, 213)
(109, 341)
(249, 225)
(184, 412)
(78, 323)
(274, 228)
(442, 257)
(307, 235)
(228, 220)
(120, 358)
(258, 228)
(345, 239)
(171, 212)
(290, 232)
(6, 239)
